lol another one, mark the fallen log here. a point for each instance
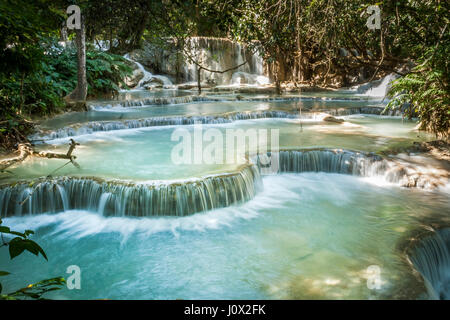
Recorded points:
(25, 150)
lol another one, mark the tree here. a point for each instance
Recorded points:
(80, 93)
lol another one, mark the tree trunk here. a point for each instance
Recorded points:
(199, 85)
(63, 34)
(277, 77)
(78, 96)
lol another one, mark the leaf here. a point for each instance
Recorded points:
(4, 229)
(18, 245)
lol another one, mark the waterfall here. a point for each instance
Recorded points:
(377, 88)
(180, 198)
(97, 126)
(239, 78)
(212, 53)
(190, 99)
(104, 198)
(432, 259)
(324, 160)
(348, 162)
(115, 198)
(154, 101)
(148, 76)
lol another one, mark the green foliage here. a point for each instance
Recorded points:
(35, 290)
(36, 73)
(426, 92)
(18, 244)
(41, 92)
(23, 24)
(105, 71)
(301, 41)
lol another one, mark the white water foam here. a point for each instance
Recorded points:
(78, 224)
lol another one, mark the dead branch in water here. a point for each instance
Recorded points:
(25, 150)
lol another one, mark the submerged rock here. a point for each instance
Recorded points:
(330, 118)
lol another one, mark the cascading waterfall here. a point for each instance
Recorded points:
(115, 198)
(378, 88)
(97, 126)
(222, 54)
(432, 259)
(240, 78)
(187, 197)
(190, 99)
(322, 160)
(155, 101)
(148, 75)
(346, 162)
(211, 53)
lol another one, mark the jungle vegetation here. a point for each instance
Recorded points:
(320, 42)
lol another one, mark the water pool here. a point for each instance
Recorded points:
(306, 236)
(299, 236)
(107, 154)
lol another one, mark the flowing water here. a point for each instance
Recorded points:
(309, 236)
(141, 226)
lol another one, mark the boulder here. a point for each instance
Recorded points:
(133, 80)
(330, 118)
(153, 83)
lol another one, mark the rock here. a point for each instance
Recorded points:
(192, 86)
(75, 105)
(330, 118)
(133, 80)
(343, 52)
(211, 82)
(256, 90)
(153, 83)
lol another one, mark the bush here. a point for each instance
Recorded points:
(105, 71)
(41, 92)
(426, 91)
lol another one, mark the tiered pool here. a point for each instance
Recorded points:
(154, 229)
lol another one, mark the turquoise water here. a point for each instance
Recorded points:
(192, 109)
(308, 236)
(145, 153)
(304, 236)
